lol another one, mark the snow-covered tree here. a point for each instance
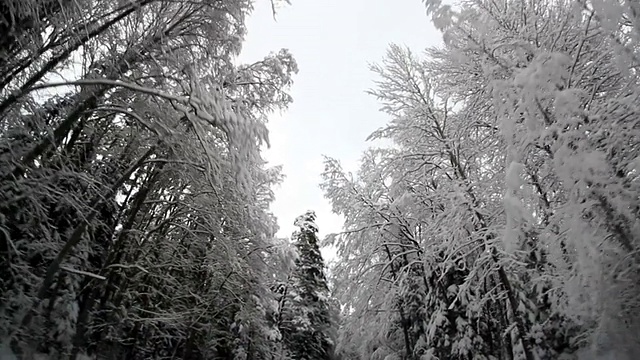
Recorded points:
(507, 187)
(306, 317)
(134, 214)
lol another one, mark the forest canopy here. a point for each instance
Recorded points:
(503, 221)
(500, 222)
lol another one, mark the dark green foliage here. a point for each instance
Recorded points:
(307, 322)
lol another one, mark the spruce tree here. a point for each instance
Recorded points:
(306, 331)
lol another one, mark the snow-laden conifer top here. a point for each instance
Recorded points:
(306, 222)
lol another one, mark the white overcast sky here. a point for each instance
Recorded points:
(333, 42)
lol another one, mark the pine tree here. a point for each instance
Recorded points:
(307, 321)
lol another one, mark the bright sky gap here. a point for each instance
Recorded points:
(333, 41)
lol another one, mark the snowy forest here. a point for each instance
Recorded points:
(496, 216)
